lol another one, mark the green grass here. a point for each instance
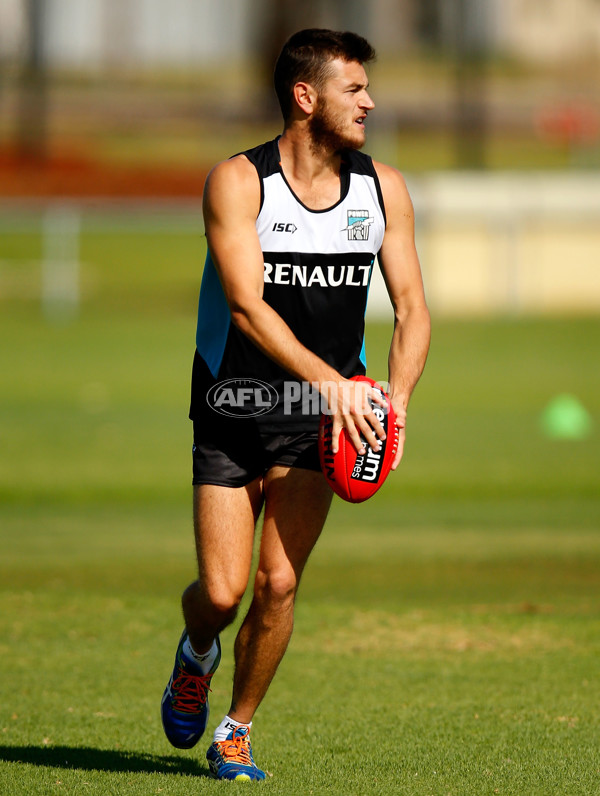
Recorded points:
(447, 631)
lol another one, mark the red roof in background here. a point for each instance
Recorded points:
(69, 176)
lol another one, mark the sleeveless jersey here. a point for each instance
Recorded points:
(317, 270)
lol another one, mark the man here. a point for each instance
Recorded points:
(293, 228)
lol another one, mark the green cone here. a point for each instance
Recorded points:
(566, 418)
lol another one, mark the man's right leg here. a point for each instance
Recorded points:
(224, 523)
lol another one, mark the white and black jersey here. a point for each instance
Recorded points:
(317, 270)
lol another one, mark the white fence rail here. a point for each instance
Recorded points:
(508, 242)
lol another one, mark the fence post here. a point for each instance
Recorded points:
(60, 262)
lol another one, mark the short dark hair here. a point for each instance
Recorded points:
(306, 57)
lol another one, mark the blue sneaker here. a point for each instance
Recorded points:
(232, 758)
(184, 706)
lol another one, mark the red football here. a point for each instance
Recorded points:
(351, 476)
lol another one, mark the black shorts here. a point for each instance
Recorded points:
(241, 452)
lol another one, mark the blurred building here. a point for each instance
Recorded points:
(95, 33)
(546, 30)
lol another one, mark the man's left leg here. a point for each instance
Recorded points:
(296, 505)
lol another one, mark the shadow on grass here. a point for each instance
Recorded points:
(86, 759)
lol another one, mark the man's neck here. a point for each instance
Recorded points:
(304, 162)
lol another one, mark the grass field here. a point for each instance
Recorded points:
(447, 634)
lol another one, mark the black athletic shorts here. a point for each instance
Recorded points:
(235, 451)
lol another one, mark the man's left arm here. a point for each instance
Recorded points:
(402, 273)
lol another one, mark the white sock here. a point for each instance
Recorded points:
(204, 661)
(227, 726)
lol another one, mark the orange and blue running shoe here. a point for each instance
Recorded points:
(184, 706)
(232, 758)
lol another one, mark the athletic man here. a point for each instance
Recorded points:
(293, 229)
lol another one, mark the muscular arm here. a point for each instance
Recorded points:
(402, 273)
(230, 206)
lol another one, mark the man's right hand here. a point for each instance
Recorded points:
(350, 408)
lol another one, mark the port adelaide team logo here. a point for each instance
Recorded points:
(359, 222)
(242, 397)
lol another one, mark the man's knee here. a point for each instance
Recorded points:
(220, 600)
(225, 602)
(276, 587)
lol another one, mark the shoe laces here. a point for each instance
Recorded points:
(190, 691)
(237, 748)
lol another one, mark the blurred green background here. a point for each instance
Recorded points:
(468, 588)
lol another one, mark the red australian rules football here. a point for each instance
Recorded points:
(352, 476)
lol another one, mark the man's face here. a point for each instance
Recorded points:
(342, 106)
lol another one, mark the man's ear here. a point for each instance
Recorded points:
(305, 97)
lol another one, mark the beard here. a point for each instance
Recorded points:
(329, 132)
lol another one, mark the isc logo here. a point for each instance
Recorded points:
(281, 226)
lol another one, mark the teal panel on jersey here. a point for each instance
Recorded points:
(363, 354)
(214, 319)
